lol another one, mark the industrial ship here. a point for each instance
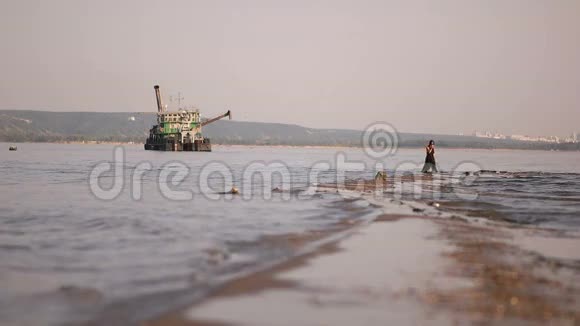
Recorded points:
(179, 131)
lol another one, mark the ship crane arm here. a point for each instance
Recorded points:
(227, 114)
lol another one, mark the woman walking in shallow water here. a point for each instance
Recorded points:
(430, 158)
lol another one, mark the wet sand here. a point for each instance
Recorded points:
(408, 269)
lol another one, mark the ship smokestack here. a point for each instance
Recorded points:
(159, 102)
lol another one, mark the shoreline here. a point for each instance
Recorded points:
(403, 269)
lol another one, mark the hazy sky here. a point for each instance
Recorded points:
(443, 66)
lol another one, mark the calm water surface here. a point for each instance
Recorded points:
(67, 256)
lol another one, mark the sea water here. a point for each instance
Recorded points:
(68, 254)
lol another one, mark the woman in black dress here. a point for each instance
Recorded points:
(430, 158)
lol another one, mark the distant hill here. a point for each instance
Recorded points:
(44, 126)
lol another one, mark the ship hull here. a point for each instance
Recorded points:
(196, 146)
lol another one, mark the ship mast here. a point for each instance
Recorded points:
(179, 98)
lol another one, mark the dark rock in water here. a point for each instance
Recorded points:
(418, 210)
(381, 175)
(233, 191)
(13, 148)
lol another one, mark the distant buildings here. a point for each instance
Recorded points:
(487, 134)
(572, 139)
(543, 139)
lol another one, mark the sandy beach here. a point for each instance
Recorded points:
(409, 270)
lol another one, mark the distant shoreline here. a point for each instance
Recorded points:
(287, 146)
(120, 128)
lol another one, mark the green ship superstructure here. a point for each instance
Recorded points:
(180, 130)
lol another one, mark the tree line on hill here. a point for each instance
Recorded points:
(45, 126)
